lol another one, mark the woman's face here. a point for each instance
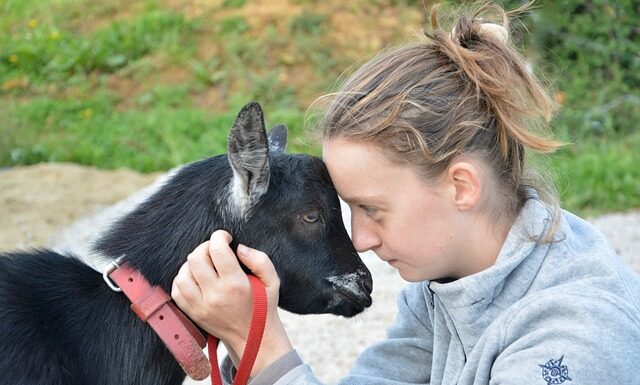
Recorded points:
(409, 223)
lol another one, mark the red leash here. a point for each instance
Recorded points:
(256, 331)
(181, 337)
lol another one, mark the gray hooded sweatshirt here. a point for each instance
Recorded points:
(565, 312)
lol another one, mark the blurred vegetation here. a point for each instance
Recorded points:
(591, 52)
(150, 84)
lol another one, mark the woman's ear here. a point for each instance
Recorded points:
(466, 180)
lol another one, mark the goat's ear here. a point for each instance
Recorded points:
(248, 153)
(278, 138)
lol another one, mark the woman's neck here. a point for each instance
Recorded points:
(485, 240)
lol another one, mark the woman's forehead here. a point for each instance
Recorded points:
(361, 172)
(354, 159)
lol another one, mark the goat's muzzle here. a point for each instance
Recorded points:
(351, 293)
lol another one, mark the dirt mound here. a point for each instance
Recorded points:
(36, 201)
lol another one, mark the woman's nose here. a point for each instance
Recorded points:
(363, 238)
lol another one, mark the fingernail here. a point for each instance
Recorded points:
(243, 250)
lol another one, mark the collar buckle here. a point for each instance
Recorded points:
(105, 274)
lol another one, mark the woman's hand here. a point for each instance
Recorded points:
(213, 290)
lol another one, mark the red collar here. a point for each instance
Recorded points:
(153, 305)
(183, 339)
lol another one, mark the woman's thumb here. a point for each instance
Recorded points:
(259, 264)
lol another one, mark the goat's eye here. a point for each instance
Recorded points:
(311, 217)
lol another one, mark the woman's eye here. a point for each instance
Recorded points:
(368, 210)
(311, 217)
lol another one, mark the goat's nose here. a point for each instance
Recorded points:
(354, 286)
(367, 283)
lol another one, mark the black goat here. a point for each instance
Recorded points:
(61, 324)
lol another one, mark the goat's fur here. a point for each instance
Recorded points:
(61, 324)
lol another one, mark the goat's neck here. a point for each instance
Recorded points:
(158, 235)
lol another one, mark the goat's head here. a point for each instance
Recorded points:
(282, 204)
(286, 206)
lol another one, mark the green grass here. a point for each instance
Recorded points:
(139, 85)
(50, 55)
(598, 176)
(92, 131)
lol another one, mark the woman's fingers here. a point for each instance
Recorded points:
(260, 265)
(223, 258)
(185, 290)
(201, 268)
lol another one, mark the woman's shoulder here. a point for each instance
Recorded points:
(582, 262)
(588, 307)
(586, 326)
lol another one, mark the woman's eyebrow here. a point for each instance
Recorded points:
(362, 198)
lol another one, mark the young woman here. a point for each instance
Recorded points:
(427, 144)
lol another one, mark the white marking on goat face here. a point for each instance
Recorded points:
(348, 282)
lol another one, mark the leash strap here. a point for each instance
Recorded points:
(256, 331)
(153, 305)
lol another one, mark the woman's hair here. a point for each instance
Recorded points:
(460, 91)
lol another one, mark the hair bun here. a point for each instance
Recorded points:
(486, 30)
(494, 31)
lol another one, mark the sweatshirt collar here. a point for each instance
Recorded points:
(472, 303)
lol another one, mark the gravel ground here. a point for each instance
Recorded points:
(328, 343)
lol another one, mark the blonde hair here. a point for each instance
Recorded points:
(461, 91)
